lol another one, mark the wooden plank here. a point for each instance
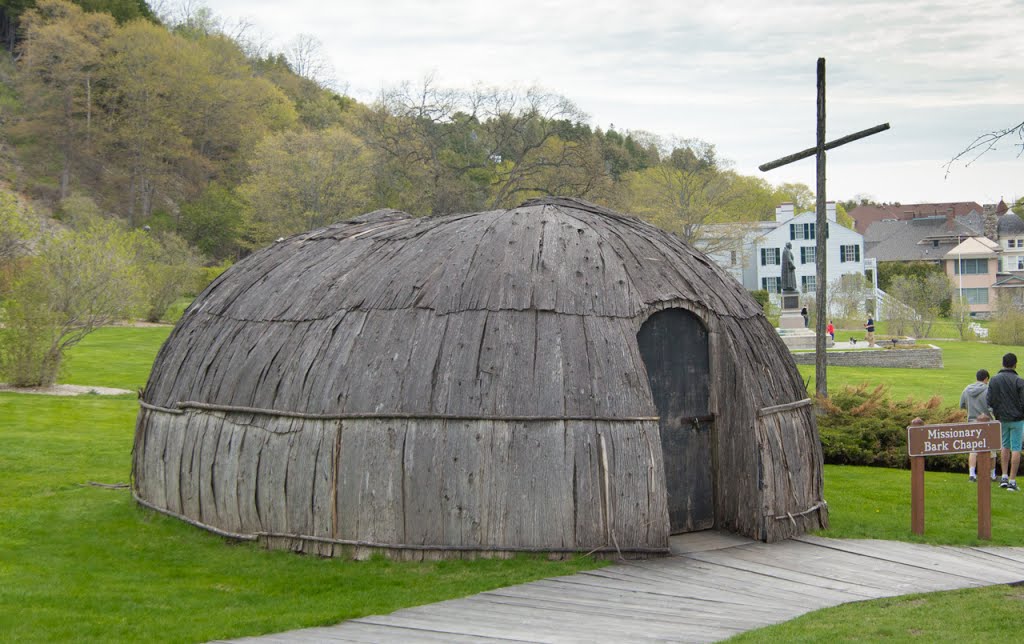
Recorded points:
(680, 597)
(628, 608)
(206, 474)
(924, 557)
(370, 504)
(842, 566)
(734, 575)
(226, 473)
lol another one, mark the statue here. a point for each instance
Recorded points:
(788, 269)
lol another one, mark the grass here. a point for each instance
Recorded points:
(976, 615)
(874, 503)
(118, 357)
(83, 563)
(961, 360)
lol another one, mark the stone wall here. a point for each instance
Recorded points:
(922, 357)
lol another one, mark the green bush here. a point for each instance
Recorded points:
(862, 426)
(207, 274)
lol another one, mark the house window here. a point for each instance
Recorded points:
(807, 254)
(807, 283)
(849, 253)
(975, 295)
(770, 256)
(732, 258)
(801, 231)
(971, 266)
(935, 243)
(1020, 264)
(772, 284)
(1011, 243)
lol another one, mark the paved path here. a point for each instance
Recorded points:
(716, 585)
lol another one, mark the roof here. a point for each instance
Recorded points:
(1010, 225)
(1009, 280)
(974, 247)
(921, 239)
(533, 309)
(864, 216)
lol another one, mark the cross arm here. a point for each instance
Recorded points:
(809, 152)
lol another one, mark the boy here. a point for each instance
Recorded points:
(975, 400)
(1006, 398)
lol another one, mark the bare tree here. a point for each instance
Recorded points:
(305, 54)
(987, 142)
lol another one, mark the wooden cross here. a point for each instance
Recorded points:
(821, 250)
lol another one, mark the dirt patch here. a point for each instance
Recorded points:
(65, 390)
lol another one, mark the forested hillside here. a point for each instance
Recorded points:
(182, 128)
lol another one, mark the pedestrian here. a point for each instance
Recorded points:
(869, 326)
(975, 400)
(803, 312)
(831, 330)
(1006, 399)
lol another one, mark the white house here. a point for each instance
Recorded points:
(757, 262)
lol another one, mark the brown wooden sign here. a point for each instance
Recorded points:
(953, 438)
(923, 440)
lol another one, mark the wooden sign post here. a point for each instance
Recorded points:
(923, 440)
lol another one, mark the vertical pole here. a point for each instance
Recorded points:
(984, 496)
(821, 248)
(917, 494)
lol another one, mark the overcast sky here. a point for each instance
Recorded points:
(740, 75)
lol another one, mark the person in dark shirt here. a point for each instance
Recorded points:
(1006, 398)
(870, 328)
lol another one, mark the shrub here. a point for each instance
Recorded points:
(862, 426)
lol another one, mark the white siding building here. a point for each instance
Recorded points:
(757, 262)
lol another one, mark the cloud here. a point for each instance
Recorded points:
(739, 74)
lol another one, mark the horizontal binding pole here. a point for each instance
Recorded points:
(809, 152)
(765, 411)
(461, 548)
(814, 508)
(181, 517)
(182, 406)
(392, 546)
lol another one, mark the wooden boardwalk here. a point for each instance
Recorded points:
(716, 586)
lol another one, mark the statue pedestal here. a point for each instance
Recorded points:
(792, 320)
(791, 324)
(790, 317)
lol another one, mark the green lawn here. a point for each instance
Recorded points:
(118, 357)
(961, 360)
(85, 564)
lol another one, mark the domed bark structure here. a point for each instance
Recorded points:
(557, 377)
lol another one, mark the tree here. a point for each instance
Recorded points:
(170, 268)
(985, 143)
(180, 112)
(1007, 325)
(306, 58)
(60, 53)
(689, 194)
(846, 297)
(798, 194)
(18, 229)
(304, 180)
(960, 314)
(216, 222)
(452, 150)
(927, 297)
(76, 283)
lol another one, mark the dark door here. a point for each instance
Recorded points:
(674, 346)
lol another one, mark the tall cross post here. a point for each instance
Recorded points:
(820, 245)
